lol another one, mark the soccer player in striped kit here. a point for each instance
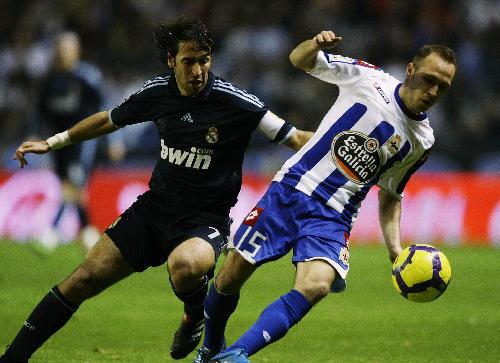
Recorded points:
(204, 124)
(377, 133)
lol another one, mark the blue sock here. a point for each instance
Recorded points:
(218, 309)
(274, 322)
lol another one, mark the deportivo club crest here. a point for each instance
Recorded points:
(394, 143)
(212, 135)
(356, 156)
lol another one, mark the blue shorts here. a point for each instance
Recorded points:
(285, 219)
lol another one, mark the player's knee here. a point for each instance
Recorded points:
(184, 270)
(190, 261)
(313, 291)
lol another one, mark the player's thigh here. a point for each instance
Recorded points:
(103, 266)
(234, 272)
(314, 279)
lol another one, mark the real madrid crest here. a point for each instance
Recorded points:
(212, 135)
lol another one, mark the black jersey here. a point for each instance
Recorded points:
(202, 139)
(67, 97)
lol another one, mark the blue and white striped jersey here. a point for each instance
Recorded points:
(368, 137)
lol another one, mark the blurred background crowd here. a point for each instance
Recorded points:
(253, 40)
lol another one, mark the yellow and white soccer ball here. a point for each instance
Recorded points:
(421, 273)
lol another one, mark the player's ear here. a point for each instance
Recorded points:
(410, 70)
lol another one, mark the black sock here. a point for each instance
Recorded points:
(50, 315)
(83, 216)
(193, 300)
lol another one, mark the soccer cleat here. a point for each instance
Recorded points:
(186, 338)
(204, 354)
(231, 356)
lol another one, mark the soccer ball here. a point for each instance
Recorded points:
(421, 273)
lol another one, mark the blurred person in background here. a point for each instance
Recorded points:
(376, 133)
(205, 125)
(71, 91)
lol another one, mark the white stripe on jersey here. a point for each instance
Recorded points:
(244, 94)
(319, 172)
(232, 87)
(359, 109)
(158, 81)
(159, 78)
(258, 104)
(295, 158)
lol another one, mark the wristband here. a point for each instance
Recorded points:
(59, 140)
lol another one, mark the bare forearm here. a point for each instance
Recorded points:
(299, 139)
(304, 55)
(91, 127)
(390, 218)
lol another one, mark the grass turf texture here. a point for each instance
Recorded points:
(134, 320)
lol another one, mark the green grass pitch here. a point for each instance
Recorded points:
(134, 320)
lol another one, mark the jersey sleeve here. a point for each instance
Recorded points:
(394, 180)
(275, 128)
(340, 70)
(137, 108)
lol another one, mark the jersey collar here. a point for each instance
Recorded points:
(202, 95)
(418, 117)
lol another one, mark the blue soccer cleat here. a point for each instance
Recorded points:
(231, 356)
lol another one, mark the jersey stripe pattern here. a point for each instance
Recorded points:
(158, 81)
(235, 91)
(366, 138)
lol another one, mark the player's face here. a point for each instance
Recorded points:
(191, 66)
(427, 82)
(67, 52)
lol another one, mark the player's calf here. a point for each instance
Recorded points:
(188, 335)
(50, 315)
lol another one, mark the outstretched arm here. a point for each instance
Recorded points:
(277, 130)
(305, 54)
(390, 217)
(91, 127)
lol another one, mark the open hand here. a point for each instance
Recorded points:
(326, 39)
(35, 147)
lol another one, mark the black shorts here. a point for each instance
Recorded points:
(148, 231)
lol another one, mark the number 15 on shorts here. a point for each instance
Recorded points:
(250, 241)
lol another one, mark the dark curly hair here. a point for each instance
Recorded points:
(168, 36)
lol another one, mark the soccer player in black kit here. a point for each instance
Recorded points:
(70, 92)
(204, 124)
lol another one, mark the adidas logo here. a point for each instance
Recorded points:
(187, 118)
